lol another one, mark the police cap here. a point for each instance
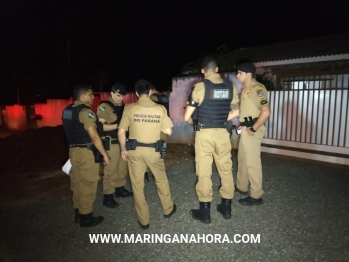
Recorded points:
(247, 68)
(119, 88)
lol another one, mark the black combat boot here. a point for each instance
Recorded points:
(202, 214)
(77, 219)
(249, 201)
(146, 177)
(225, 208)
(108, 201)
(89, 220)
(122, 192)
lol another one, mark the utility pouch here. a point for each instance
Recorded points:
(131, 144)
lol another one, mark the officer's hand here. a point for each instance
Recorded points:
(124, 155)
(249, 132)
(106, 161)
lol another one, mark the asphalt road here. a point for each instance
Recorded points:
(304, 218)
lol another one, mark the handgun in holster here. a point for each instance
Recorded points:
(229, 127)
(196, 125)
(98, 156)
(161, 148)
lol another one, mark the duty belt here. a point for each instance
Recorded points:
(88, 146)
(109, 140)
(203, 126)
(152, 145)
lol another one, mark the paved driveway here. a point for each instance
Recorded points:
(304, 218)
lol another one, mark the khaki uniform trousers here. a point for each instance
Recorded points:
(138, 161)
(84, 176)
(213, 142)
(163, 137)
(123, 172)
(115, 174)
(249, 162)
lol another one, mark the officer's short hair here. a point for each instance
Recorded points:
(142, 87)
(81, 89)
(209, 64)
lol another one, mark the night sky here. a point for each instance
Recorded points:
(128, 40)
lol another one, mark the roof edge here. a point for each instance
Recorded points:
(303, 60)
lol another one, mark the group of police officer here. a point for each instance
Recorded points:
(131, 139)
(215, 102)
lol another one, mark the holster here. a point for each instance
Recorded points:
(98, 156)
(229, 127)
(196, 125)
(161, 148)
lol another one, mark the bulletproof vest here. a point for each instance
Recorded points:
(118, 110)
(215, 107)
(163, 100)
(74, 129)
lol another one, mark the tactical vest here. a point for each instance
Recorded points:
(214, 109)
(74, 129)
(118, 110)
(163, 100)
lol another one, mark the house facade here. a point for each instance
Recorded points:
(308, 92)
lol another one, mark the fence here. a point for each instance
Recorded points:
(310, 118)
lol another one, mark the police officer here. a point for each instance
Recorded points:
(216, 101)
(110, 113)
(80, 125)
(254, 112)
(144, 120)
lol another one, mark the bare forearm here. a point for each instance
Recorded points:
(98, 144)
(110, 127)
(263, 117)
(188, 112)
(167, 131)
(233, 114)
(122, 139)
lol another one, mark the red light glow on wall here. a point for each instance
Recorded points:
(51, 112)
(15, 117)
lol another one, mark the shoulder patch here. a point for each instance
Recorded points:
(260, 93)
(91, 115)
(263, 101)
(101, 108)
